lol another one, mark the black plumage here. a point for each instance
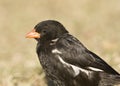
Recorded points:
(66, 61)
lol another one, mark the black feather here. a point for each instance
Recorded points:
(60, 67)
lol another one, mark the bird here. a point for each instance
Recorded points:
(66, 61)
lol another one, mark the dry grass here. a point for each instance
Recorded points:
(95, 23)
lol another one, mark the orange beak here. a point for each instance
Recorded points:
(33, 34)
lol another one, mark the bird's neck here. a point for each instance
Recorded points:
(45, 46)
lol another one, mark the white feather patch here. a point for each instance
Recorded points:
(56, 51)
(94, 69)
(75, 68)
(54, 40)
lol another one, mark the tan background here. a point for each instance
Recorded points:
(95, 22)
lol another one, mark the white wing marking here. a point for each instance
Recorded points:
(94, 69)
(56, 51)
(54, 40)
(75, 68)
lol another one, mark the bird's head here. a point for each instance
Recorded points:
(47, 30)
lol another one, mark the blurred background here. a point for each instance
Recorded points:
(96, 23)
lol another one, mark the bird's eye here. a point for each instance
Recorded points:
(44, 31)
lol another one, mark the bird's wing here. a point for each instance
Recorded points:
(72, 51)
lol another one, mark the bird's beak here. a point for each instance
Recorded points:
(33, 34)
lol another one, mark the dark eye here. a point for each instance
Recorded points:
(44, 31)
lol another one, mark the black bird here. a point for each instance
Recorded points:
(66, 61)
